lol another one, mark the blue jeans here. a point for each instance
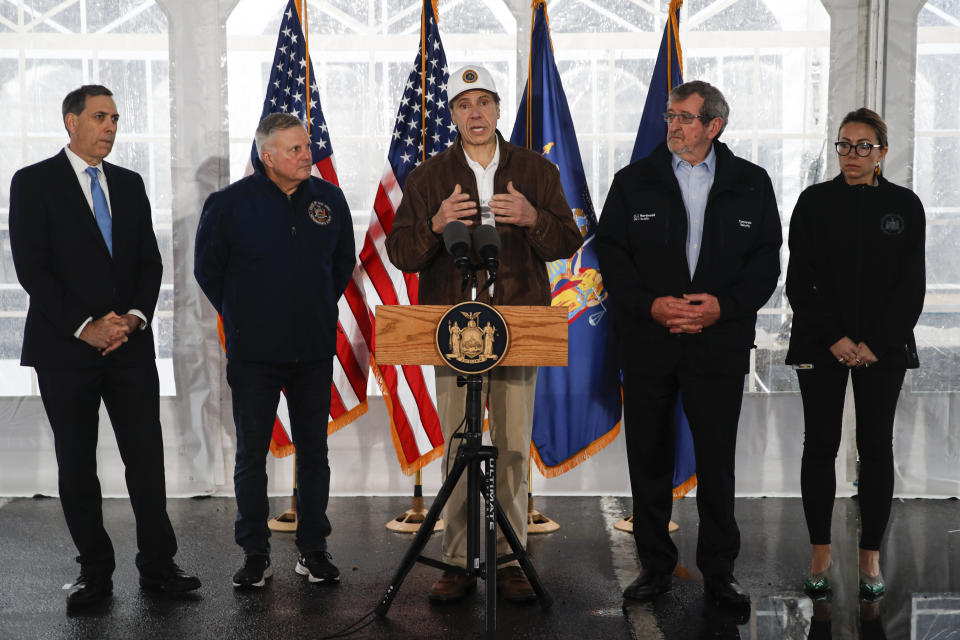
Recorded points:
(256, 390)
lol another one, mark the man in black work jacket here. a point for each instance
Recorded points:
(274, 253)
(689, 248)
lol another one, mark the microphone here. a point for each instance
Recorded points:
(486, 242)
(456, 238)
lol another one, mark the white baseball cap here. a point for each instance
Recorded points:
(469, 78)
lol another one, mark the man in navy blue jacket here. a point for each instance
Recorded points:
(274, 253)
(689, 248)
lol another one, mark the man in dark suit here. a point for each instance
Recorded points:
(689, 248)
(84, 249)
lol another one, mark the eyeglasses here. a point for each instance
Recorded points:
(685, 118)
(863, 148)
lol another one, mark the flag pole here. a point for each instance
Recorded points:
(302, 9)
(673, 35)
(286, 522)
(536, 521)
(410, 520)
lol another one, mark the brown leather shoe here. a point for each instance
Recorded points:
(452, 586)
(513, 585)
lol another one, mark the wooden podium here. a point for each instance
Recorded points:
(407, 335)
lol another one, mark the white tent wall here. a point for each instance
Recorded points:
(873, 54)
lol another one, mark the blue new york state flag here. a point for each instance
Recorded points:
(578, 407)
(667, 74)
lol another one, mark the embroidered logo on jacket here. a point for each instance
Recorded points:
(892, 224)
(644, 217)
(745, 224)
(319, 213)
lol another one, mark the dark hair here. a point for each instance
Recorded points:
(870, 118)
(76, 100)
(714, 104)
(274, 122)
(493, 94)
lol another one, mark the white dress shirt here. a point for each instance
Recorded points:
(80, 168)
(485, 184)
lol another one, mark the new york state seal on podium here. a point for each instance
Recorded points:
(472, 337)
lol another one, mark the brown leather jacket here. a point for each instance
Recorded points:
(522, 276)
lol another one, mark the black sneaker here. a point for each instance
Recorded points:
(254, 572)
(317, 567)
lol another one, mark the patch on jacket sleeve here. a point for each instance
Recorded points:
(892, 224)
(319, 212)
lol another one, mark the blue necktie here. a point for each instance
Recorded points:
(101, 209)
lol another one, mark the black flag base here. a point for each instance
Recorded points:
(480, 482)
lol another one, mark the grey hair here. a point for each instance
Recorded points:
(714, 104)
(274, 122)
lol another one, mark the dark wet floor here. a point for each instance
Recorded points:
(585, 565)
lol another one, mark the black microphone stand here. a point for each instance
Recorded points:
(471, 455)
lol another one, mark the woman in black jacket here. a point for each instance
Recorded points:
(856, 284)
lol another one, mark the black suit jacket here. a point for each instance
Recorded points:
(63, 263)
(641, 247)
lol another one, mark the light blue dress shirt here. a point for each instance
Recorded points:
(695, 182)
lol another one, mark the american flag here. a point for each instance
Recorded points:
(423, 129)
(292, 88)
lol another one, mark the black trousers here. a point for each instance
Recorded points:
(712, 405)
(876, 391)
(256, 388)
(71, 398)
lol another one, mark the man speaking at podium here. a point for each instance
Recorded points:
(483, 179)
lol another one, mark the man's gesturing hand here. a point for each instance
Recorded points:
(513, 207)
(456, 207)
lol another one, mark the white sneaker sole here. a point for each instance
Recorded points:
(303, 571)
(257, 585)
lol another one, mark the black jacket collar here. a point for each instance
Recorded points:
(841, 182)
(728, 174)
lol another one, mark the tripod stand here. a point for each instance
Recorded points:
(471, 454)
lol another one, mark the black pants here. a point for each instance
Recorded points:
(712, 406)
(256, 390)
(876, 391)
(71, 398)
